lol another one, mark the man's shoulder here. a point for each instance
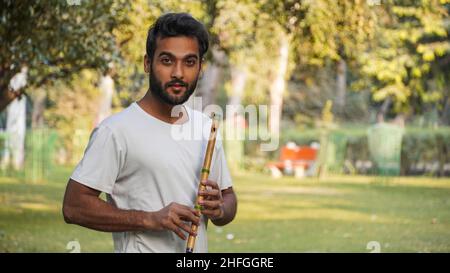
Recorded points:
(119, 119)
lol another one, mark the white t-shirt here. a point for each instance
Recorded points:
(143, 163)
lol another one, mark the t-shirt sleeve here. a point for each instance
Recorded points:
(102, 161)
(219, 169)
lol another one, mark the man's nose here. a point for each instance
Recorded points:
(177, 71)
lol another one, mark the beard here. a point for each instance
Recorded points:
(160, 90)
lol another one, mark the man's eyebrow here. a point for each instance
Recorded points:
(173, 56)
(166, 53)
(191, 56)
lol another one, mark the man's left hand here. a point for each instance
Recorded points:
(212, 203)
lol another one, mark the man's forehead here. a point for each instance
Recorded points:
(179, 46)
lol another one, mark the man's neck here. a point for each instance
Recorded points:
(159, 109)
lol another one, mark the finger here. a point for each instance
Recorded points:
(182, 218)
(210, 204)
(210, 193)
(184, 227)
(177, 231)
(211, 213)
(210, 183)
(188, 209)
(189, 214)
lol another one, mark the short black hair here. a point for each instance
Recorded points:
(177, 24)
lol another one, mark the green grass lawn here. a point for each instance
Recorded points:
(336, 214)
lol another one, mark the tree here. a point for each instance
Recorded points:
(407, 69)
(71, 109)
(336, 31)
(55, 39)
(258, 50)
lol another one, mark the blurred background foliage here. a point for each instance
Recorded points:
(366, 81)
(369, 61)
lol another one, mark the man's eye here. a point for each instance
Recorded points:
(166, 61)
(190, 62)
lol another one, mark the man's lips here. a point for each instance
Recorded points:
(180, 83)
(177, 88)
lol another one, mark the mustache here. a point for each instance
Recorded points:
(173, 82)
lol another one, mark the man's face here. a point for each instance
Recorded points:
(174, 69)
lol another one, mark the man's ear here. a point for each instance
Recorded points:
(147, 64)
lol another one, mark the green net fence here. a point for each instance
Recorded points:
(332, 150)
(40, 146)
(385, 144)
(40, 154)
(336, 147)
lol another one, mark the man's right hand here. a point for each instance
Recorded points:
(174, 217)
(82, 206)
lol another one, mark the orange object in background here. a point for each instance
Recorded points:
(294, 159)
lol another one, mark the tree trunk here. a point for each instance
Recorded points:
(445, 114)
(341, 83)
(234, 123)
(106, 87)
(16, 129)
(16, 118)
(6, 97)
(277, 88)
(37, 120)
(383, 110)
(238, 79)
(212, 76)
(13, 88)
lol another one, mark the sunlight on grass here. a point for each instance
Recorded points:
(334, 214)
(38, 206)
(338, 214)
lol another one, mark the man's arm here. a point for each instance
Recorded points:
(219, 205)
(82, 206)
